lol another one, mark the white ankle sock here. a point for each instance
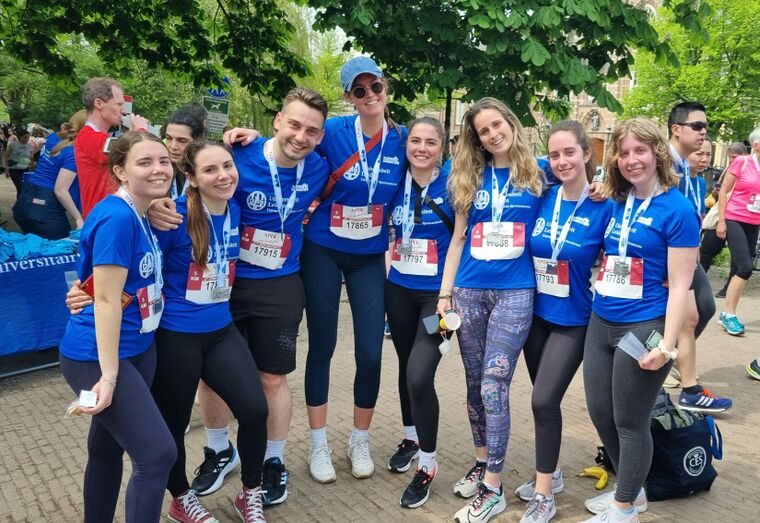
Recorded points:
(427, 459)
(275, 449)
(318, 437)
(218, 439)
(358, 434)
(410, 432)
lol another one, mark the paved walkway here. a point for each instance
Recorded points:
(42, 455)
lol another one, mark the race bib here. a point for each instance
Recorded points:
(417, 258)
(621, 278)
(151, 303)
(754, 203)
(356, 223)
(264, 248)
(503, 243)
(202, 287)
(552, 278)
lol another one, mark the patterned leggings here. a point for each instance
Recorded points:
(495, 325)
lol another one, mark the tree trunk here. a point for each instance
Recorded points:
(447, 121)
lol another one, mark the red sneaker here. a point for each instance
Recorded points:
(248, 505)
(186, 508)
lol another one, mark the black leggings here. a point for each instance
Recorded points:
(710, 248)
(742, 242)
(418, 358)
(553, 354)
(131, 423)
(704, 298)
(222, 359)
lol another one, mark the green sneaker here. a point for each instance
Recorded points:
(485, 505)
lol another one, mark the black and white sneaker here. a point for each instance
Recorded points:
(209, 476)
(274, 485)
(401, 461)
(418, 491)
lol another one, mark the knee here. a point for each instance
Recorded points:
(419, 384)
(368, 360)
(252, 412)
(159, 458)
(494, 395)
(273, 382)
(691, 320)
(743, 270)
(544, 409)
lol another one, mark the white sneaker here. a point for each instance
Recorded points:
(613, 515)
(362, 465)
(320, 464)
(601, 503)
(527, 490)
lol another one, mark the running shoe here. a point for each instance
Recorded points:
(362, 465)
(731, 323)
(468, 485)
(753, 369)
(599, 504)
(186, 508)
(703, 401)
(248, 505)
(539, 510)
(721, 293)
(320, 464)
(387, 330)
(613, 515)
(274, 484)
(210, 475)
(418, 491)
(485, 505)
(527, 490)
(407, 452)
(672, 381)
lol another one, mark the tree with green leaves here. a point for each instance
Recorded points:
(722, 73)
(530, 53)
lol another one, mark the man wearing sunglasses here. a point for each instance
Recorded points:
(687, 128)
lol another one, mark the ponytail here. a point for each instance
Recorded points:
(197, 227)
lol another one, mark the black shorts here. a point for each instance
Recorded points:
(267, 313)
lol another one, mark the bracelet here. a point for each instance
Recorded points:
(669, 355)
(110, 381)
(444, 296)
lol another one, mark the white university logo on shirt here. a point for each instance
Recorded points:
(398, 213)
(482, 199)
(146, 265)
(257, 200)
(352, 173)
(538, 228)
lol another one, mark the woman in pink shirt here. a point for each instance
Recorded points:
(738, 223)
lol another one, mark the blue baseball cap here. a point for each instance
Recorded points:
(356, 66)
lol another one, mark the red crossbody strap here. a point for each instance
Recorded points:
(350, 162)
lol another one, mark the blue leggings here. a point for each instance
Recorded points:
(495, 325)
(321, 270)
(133, 423)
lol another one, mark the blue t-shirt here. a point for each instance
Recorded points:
(255, 195)
(112, 235)
(697, 192)
(48, 167)
(670, 221)
(181, 315)
(584, 240)
(431, 228)
(338, 145)
(521, 207)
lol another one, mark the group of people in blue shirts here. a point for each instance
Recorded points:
(212, 287)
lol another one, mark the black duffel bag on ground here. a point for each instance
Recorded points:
(685, 444)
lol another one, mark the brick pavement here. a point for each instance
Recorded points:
(42, 454)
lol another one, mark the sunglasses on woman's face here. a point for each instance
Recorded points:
(360, 91)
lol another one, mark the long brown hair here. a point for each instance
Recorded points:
(576, 129)
(615, 185)
(471, 157)
(76, 122)
(197, 223)
(121, 147)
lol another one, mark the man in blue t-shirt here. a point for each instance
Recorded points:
(687, 129)
(279, 178)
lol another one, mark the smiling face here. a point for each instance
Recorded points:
(637, 161)
(146, 171)
(177, 138)
(299, 129)
(494, 132)
(215, 175)
(423, 147)
(567, 158)
(372, 104)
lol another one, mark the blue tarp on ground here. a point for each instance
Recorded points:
(33, 313)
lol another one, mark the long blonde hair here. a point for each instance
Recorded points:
(615, 185)
(471, 158)
(76, 122)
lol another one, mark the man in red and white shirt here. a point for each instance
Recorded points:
(104, 101)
